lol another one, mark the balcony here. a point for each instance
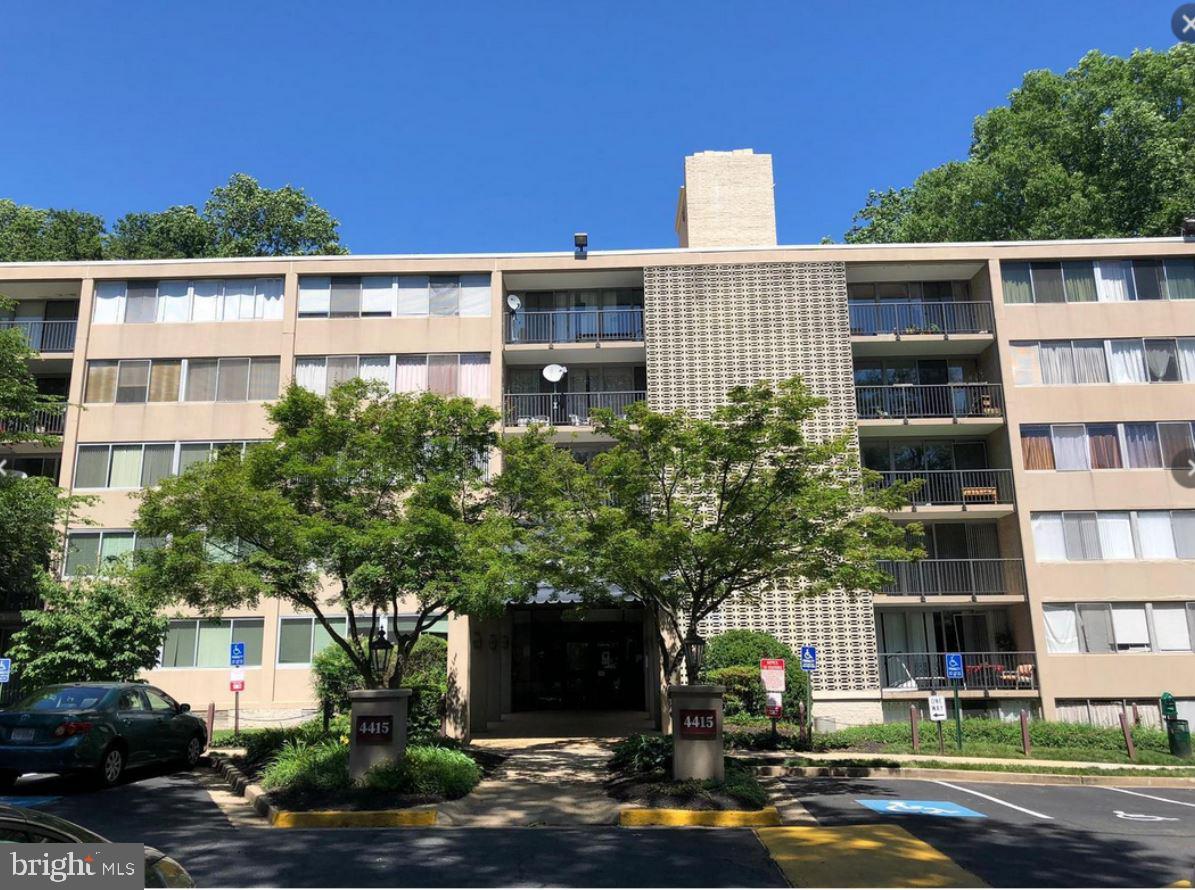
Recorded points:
(983, 672)
(937, 409)
(973, 578)
(570, 326)
(566, 408)
(947, 328)
(46, 423)
(45, 336)
(986, 492)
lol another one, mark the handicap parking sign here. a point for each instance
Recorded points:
(5, 669)
(236, 655)
(921, 808)
(954, 666)
(808, 658)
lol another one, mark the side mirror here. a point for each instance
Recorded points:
(184, 708)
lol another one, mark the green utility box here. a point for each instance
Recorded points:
(1178, 733)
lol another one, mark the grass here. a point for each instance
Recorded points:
(850, 763)
(427, 770)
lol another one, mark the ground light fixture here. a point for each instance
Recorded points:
(380, 652)
(694, 647)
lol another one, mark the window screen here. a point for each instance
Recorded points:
(91, 467)
(132, 382)
(294, 641)
(101, 382)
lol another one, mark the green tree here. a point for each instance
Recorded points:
(1104, 150)
(683, 513)
(31, 511)
(175, 233)
(98, 628)
(20, 401)
(249, 220)
(362, 503)
(33, 235)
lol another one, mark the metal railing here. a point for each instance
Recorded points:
(565, 408)
(965, 487)
(45, 336)
(913, 317)
(932, 400)
(921, 671)
(574, 325)
(44, 422)
(954, 577)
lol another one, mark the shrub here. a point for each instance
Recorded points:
(744, 649)
(427, 770)
(427, 676)
(744, 689)
(301, 765)
(642, 754)
(334, 676)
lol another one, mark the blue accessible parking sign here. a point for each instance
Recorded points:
(954, 666)
(808, 658)
(5, 669)
(236, 655)
(921, 808)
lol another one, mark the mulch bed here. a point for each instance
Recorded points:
(655, 790)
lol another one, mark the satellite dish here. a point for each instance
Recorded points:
(553, 373)
(513, 301)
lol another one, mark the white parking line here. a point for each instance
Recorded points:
(1003, 803)
(1180, 803)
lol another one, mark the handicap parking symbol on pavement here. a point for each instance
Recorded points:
(921, 808)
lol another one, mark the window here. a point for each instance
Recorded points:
(1113, 281)
(379, 297)
(158, 700)
(1118, 627)
(174, 302)
(1091, 364)
(1105, 281)
(141, 302)
(300, 638)
(178, 301)
(1171, 629)
(232, 379)
(1048, 539)
(132, 382)
(263, 379)
(1081, 535)
(1155, 534)
(345, 298)
(394, 295)
(1079, 279)
(1047, 282)
(1057, 363)
(1161, 359)
(450, 374)
(1180, 279)
(414, 295)
(109, 302)
(164, 378)
(1115, 535)
(1176, 444)
(207, 643)
(1070, 447)
(1104, 443)
(157, 462)
(1141, 441)
(445, 295)
(125, 467)
(1130, 628)
(1062, 628)
(91, 466)
(1018, 288)
(138, 465)
(1095, 625)
(86, 552)
(201, 380)
(1126, 361)
(442, 374)
(1147, 279)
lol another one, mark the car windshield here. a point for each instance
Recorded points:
(63, 698)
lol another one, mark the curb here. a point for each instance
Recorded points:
(260, 801)
(974, 775)
(639, 817)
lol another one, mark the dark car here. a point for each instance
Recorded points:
(22, 826)
(98, 729)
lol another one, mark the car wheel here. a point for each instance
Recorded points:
(195, 749)
(111, 767)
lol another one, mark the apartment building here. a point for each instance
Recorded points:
(1043, 393)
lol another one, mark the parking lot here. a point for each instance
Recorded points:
(1015, 835)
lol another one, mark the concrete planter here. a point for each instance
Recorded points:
(378, 733)
(697, 751)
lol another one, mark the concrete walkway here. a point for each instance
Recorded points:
(543, 782)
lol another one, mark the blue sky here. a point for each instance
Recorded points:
(428, 127)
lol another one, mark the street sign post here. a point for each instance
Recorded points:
(236, 682)
(771, 674)
(937, 713)
(5, 669)
(809, 665)
(954, 673)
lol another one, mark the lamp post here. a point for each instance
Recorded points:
(380, 652)
(379, 716)
(694, 647)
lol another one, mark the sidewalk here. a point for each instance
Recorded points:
(949, 758)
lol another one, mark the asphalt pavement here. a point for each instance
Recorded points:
(176, 813)
(1011, 835)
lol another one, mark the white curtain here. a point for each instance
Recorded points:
(1062, 631)
(315, 294)
(126, 467)
(1130, 627)
(475, 295)
(1155, 534)
(1126, 361)
(1048, 540)
(240, 300)
(1116, 535)
(1182, 523)
(378, 295)
(376, 368)
(474, 380)
(1112, 281)
(1070, 447)
(174, 299)
(411, 373)
(206, 298)
(311, 374)
(1186, 360)
(1091, 365)
(413, 296)
(1170, 627)
(269, 299)
(1025, 370)
(109, 302)
(1057, 365)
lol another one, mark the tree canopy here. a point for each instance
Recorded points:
(363, 503)
(241, 218)
(20, 400)
(1104, 150)
(683, 513)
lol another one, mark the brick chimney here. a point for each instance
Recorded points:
(727, 200)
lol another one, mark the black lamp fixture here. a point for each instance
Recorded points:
(1188, 228)
(380, 652)
(580, 244)
(694, 647)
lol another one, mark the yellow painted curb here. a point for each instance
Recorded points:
(860, 856)
(352, 819)
(1182, 883)
(632, 817)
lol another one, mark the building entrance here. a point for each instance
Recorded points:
(566, 658)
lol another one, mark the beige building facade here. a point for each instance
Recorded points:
(1042, 392)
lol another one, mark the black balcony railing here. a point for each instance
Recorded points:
(45, 336)
(935, 400)
(565, 408)
(922, 671)
(946, 487)
(954, 577)
(575, 325)
(912, 317)
(50, 423)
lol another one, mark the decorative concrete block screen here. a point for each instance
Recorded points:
(709, 328)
